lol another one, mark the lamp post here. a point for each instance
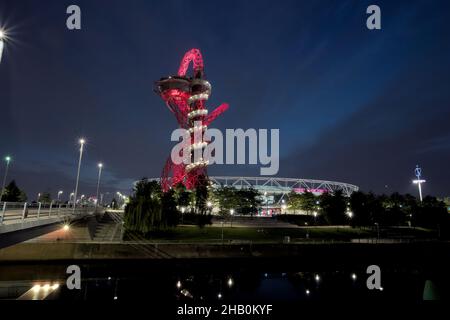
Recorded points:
(8, 160)
(231, 213)
(82, 142)
(2, 42)
(418, 181)
(182, 214)
(60, 192)
(100, 166)
(267, 202)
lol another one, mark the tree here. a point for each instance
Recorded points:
(226, 199)
(169, 208)
(333, 207)
(114, 204)
(431, 213)
(45, 197)
(201, 195)
(294, 201)
(12, 193)
(358, 205)
(307, 202)
(394, 210)
(144, 213)
(182, 196)
(247, 200)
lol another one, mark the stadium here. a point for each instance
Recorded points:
(273, 190)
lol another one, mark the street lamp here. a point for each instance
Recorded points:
(100, 166)
(60, 192)
(82, 142)
(231, 213)
(70, 197)
(8, 160)
(2, 42)
(267, 203)
(418, 181)
(182, 214)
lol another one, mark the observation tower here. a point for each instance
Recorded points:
(185, 96)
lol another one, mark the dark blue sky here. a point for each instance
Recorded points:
(351, 104)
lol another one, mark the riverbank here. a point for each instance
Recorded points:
(325, 252)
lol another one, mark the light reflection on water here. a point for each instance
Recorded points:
(250, 286)
(246, 284)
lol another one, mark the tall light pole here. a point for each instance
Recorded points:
(419, 181)
(70, 197)
(2, 42)
(82, 142)
(100, 166)
(8, 160)
(231, 214)
(60, 192)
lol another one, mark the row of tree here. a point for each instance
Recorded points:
(12, 193)
(367, 209)
(150, 209)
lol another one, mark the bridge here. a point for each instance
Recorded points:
(22, 221)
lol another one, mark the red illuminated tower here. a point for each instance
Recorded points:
(185, 96)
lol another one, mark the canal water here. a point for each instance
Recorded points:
(219, 281)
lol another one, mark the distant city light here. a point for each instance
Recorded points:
(230, 282)
(317, 277)
(354, 276)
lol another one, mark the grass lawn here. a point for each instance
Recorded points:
(214, 234)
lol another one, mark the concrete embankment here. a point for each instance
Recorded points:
(333, 253)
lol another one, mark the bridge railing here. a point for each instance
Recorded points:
(11, 212)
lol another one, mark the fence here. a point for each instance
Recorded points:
(12, 212)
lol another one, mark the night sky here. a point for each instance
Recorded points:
(352, 105)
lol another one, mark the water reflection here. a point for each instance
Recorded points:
(242, 285)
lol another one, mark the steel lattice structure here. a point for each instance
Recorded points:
(276, 185)
(185, 97)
